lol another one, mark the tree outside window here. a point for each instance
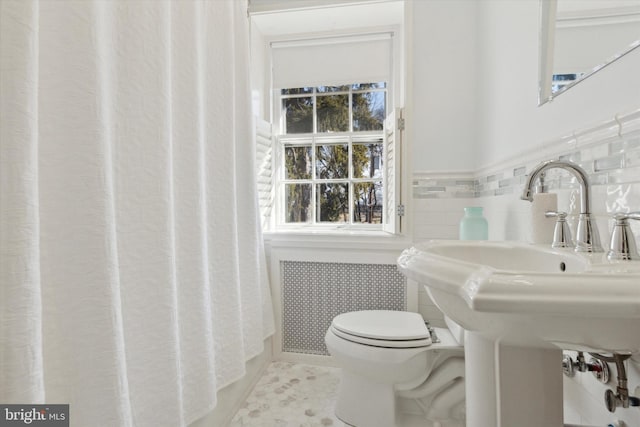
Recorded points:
(332, 148)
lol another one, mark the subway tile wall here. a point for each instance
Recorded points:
(609, 153)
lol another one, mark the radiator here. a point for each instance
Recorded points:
(313, 293)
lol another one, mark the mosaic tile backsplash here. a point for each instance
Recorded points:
(608, 162)
(313, 293)
(609, 153)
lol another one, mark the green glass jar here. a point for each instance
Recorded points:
(473, 226)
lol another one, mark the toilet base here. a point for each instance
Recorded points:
(427, 411)
(365, 403)
(377, 379)
(378, 400)
(405, 420)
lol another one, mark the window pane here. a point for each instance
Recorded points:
(365, 86)
(332, 202)
(332, 161)
(367, 160)
(368, 111)
(333, 113)
(297, 162)
(297, 91)
(367, 203)
(299, 114)
(324, 89)
(297, 203)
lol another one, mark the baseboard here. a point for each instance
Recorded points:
(231, 397)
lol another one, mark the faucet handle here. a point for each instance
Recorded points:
(561, 232)
(624, 216)
(562, 216)
(623, 244)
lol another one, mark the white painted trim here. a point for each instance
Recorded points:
(231, 397)
(601, 16)
(331, 254)
(276, 294)
(405, 98)
(309, 359)
(373, 241)
(275, 6)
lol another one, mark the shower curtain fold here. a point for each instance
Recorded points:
(133, 281)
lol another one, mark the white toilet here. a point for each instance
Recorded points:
(392, 371)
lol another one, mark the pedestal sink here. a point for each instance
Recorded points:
(521, 305)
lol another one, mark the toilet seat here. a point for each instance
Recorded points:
(382, 328)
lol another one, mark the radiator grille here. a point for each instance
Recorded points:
(313, 293)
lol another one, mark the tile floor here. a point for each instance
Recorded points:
(298, 395)
(292, 395)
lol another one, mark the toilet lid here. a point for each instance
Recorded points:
(383, 325)
(382, 343)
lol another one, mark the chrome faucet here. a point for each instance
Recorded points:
(587, 237)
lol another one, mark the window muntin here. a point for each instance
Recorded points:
(353, 108)
(332, 146)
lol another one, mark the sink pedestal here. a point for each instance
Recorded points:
(509, 386)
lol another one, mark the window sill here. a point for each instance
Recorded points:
(336, 238)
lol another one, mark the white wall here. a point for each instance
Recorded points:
(260, 74)
(491, 124)
(510, 120)
(474, 81)
(442, 84)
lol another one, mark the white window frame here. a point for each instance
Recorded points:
(393, 208)
(314, 139)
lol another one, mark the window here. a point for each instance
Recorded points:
(559, 81)
(334, 161)
(332, 147)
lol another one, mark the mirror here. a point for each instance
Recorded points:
(578, 38)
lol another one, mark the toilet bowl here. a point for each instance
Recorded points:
(392, 369)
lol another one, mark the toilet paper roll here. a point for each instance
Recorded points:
(541, 226)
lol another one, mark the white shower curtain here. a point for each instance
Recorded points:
(132, 275)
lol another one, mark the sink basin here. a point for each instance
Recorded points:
(529, 295)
